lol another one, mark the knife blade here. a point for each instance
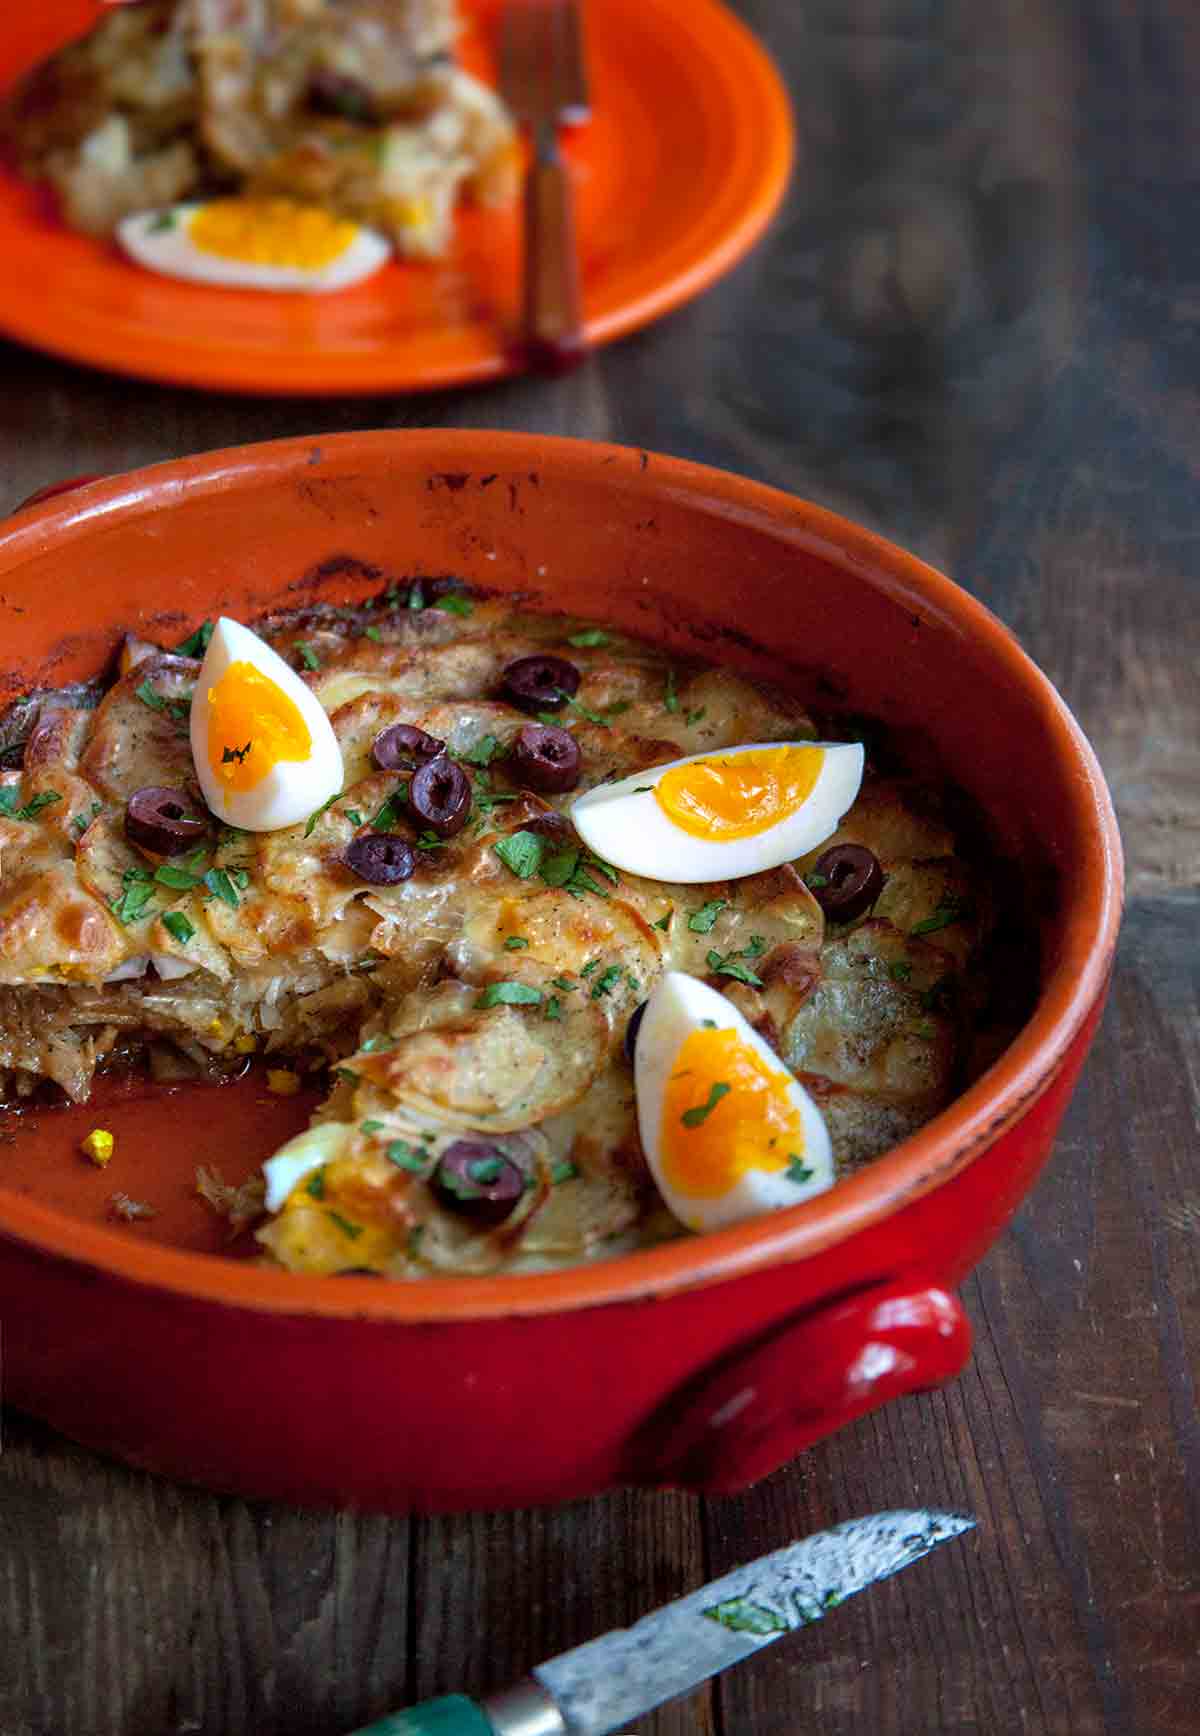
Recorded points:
(601, 1686)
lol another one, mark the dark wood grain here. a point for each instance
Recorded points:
(976, 327)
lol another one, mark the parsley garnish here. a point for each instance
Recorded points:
(308, 656)
(815, 881)
(481, 752)
(950, 910)
(316, 1184)
(607, 982)
(196, 644)
(374, 634)
(562, 983)
(515, 942)
(553, 1008)
(697, 716)
(797, 1170)
(167, 874)
(230, 754)
(33, 807)
(899, 971)
(702, 920)
(522, 853)
(664, 922)
(353, 815)
(565, 1171)
(406, 1156)
(593, 964)
(317, 812)
(177, 924)
(702, 1111)
(138, 890)
(374, 1044)
(369, 1126)
(416, 596)
(346, 1227)
(389, 809)
(346, 1074)
(221, 886)
(455, 604)
(81, 822)
(509, 995)
(592, 636)
(670, 697)
(431, 841)
(177, 708)
(727, 964)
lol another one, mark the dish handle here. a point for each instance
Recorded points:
(758, 1407)
(53, 488)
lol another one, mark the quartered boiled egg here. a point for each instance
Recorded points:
(264, 750)
(300, 1156)
(721, 815)
(727, 1131)
(254, 244)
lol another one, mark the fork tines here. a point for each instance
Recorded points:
(542, 69)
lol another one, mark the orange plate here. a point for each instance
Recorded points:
(677, 175)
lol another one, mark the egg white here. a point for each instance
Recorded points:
(160, 241)
(300, 1156)
(623, 822)
(292, 789)
(679, 1005)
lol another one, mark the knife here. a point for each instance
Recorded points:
(602, 1686)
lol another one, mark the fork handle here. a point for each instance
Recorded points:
(552, 324)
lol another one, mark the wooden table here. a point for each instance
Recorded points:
(975, 326)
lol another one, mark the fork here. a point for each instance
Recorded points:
(544, 83)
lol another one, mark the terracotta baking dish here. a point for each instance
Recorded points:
(704, 1363)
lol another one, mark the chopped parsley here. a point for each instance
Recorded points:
(797, 1170)
(697, 1116)
(317, 812)
(369, 1126)
(32, 808)
(353, 815)
(374, 1044)
(81, 822)
(177, 924)
(925, 1030)
(137, 892)
(316, 1184)
(390, 809)
(509, 995)
(481, 752)
(565, 1171)
(522, 853)
(405, 1156)
(156, 224)
(899, 971)
(515, 943)
(562, 983)
(374, 635)
(176, 708)
(308, 656)
(431, 841)
(231, 754)
(592, 636)
(607, 981)
(727, 964)
(670, 697)
(553, 1008)
(416, 596)
(697, 716)
(221, 886)
(346, 1074)
(455, 604)
(346, 1227)
(168, 874)
(815, 881)
(950, 910)
(702, 920)
(664, 922)
(742, 1616)
(593, 964)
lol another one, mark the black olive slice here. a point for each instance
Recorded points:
(632, 1029)
(539, 683)
(440, 796)
(403, 746)
(845, 881)
(380, 858)
(544, 757)
(478, 1181)
(164, 821)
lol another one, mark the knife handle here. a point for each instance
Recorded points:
(526, 1709)
(552, 321)
(454, 1715)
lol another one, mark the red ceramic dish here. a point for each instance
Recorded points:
(704, 1362)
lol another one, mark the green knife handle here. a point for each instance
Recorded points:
(453, 1716)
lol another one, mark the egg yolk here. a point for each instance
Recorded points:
(252, 725)
(742, 795)
(271, 232)
(725, 1111)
